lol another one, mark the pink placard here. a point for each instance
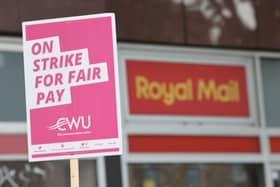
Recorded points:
(72, 88)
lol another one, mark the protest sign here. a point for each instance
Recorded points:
(72, 88)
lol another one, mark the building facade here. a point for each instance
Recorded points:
(199, 95)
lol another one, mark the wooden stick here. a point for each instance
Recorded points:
(74, 172)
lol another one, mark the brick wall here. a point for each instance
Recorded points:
(245, 24)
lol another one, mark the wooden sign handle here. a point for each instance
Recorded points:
(74, 172)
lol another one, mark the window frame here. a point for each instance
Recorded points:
(149, 126)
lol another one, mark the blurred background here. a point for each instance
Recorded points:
(199, 93)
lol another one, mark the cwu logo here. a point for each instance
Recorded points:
(78, 123)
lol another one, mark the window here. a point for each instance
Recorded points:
(45, 174)
(195, 175)
(12, 97)
(271, 78)
(276, 178)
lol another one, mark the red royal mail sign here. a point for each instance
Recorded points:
(168, 88)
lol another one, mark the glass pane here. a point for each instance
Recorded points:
(271, 89)
(276, 178)
(195, 175)
(12, 96)
(45, 174)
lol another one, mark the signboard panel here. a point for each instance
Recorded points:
(187, 89)
(71, 83)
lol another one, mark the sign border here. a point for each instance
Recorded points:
(117, 86)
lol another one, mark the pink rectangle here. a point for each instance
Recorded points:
(71, 80)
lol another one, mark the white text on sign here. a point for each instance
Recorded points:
(54, 72)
